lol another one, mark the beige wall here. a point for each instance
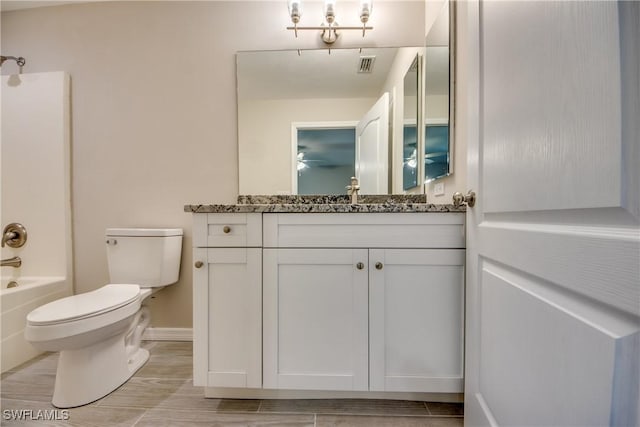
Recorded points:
(154, 108)
(265, 149)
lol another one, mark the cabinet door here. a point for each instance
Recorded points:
(416, 320)
(315, 319)
(227, 300)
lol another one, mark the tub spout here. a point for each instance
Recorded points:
(11, 262)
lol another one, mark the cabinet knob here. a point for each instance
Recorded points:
(360, 266)
(226, 229)
(199, 264)
(378, 266)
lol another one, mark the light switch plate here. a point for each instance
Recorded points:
(438, 189)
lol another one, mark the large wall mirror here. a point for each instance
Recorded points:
(310, 119)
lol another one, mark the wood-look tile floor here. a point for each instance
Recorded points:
(162, 394)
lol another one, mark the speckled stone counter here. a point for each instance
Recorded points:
(333, 199)
(326, 204)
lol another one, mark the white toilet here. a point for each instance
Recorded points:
(98, 333)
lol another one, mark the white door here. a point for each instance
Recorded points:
(315, 319)
(553, 284)
(372, 148)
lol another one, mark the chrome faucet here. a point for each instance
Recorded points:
(352, 190)
(11, 262)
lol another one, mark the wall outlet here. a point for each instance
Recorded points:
(438, 189)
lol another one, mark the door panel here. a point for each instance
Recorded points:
(372, 152)
(539, 338)
(553, 242)
(416, 320)
(560, 99)
(315, 319)
(228, 310)
(234, 302)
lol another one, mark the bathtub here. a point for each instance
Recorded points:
(17, 302)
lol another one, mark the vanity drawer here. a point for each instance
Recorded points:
(364, 230)
(227, 230)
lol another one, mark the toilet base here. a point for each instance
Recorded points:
(87, 374)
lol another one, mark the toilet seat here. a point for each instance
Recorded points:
(109, 309)
(81, 306)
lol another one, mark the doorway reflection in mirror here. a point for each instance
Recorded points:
(325, 159)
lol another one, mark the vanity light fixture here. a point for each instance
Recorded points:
(295, 11)
(330, 29)
(365, 11)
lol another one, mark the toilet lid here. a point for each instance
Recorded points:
(75, 307)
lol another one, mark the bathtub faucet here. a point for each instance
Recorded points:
(11, 262)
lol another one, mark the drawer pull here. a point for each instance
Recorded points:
(199, 264)
(226, 229)
(360, 266)
(378, 266)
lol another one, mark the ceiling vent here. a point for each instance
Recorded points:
(366, 64)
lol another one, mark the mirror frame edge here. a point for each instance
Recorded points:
(453, 48)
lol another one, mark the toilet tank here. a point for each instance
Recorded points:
(149, 257)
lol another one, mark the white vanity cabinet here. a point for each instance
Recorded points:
(227, 300)
(370, 301)
(352, 302)
(316, 319)
(416, 306)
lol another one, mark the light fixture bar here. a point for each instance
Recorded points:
(333, 27)
(329, 33)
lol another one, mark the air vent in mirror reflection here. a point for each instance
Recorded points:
(366, 64)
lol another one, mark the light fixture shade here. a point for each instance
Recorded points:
(366, 6)
(330, 10)
(295, 10)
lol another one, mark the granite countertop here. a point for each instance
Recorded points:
(327, 204)
(332, 199)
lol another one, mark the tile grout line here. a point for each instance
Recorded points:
(427, 407)
(140, 418)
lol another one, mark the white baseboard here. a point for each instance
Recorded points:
(168, 334)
